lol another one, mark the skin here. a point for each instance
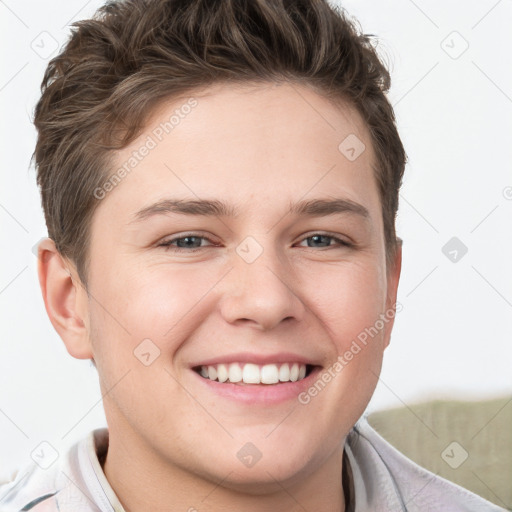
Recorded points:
(259, 148)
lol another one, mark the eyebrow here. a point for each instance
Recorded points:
(217, 208)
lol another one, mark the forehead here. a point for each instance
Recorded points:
(252, 145)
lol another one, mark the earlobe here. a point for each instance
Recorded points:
(64, 299)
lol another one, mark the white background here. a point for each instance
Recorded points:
(453, 336)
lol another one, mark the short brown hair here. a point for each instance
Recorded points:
(116, 67)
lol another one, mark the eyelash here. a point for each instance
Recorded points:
(168, 247)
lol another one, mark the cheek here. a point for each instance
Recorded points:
(347, 300)
(148, 303)
(350, 312)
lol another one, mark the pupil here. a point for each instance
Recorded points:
(183, 241)
(316, 237)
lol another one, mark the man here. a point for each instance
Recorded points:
(220, 183)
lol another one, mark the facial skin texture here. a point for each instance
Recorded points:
(173, 441)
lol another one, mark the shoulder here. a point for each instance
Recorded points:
(29, 488)
(61, 486)
(416, 488)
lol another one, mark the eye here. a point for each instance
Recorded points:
(188, 243)
(324, 239)
(193, 242)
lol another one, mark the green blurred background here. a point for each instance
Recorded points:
(469, 443)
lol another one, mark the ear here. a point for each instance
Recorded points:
(65, 299)
(393, 278)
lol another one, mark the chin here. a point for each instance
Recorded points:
(249, 470)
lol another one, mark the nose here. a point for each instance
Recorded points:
(261, 292)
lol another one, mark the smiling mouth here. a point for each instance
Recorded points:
(249, 373)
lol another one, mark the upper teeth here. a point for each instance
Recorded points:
(249, 373)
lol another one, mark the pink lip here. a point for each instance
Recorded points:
(246, 357)
(263, 394)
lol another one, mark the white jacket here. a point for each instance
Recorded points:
(384, 480)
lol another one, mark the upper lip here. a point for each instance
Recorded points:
(260, 359)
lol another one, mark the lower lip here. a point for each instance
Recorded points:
(260, 393)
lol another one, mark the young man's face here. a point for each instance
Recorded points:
(262, 287)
